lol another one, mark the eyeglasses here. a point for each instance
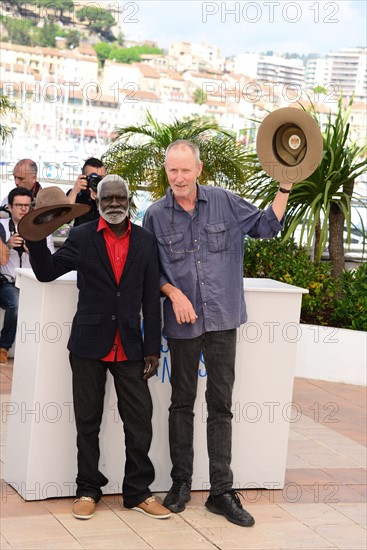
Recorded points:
(19, 205)
(196, 249)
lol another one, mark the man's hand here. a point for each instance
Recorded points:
(15, 241)
(80, 184)
(151, 365)
(182, 307)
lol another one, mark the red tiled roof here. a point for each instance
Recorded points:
(146, 70)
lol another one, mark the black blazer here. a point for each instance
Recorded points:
(104, 305)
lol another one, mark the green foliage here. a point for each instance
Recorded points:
(120, 39)
(351, 308)
(103, 50)
(57, 6)
(26, 33)
(97, 19)
(19, 30)
(199, 96)
(287, 262)
(314, 203)
(6, 108)
(122, 55)
(72, 38)
(45, 36)
(137, 153)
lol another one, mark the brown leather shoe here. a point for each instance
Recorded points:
(3, 356)
(152, 508)
(83, 508)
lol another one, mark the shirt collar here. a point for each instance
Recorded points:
(102, 224)
(202, 195)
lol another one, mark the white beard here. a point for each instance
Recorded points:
(113, 218)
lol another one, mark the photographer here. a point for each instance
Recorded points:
(85, 189)
(19, 204)
(25, 175)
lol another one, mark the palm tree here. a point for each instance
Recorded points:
(321, 205)
(6, 108)
(137, 153)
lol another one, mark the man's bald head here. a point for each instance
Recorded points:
(25, 173)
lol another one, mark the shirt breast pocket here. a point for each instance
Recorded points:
(217, 236)
(173, 246)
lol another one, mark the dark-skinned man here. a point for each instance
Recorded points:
(118, 276)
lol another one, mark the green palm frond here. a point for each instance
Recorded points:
(137, 153)
(332, 183)
(6, 108)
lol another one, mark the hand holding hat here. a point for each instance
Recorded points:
(289, 145)
(52, 209)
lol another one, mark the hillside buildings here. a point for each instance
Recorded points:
(66, 97)
(344, 72)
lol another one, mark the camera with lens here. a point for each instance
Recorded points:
(93, 180)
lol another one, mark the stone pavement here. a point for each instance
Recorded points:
(322, 506)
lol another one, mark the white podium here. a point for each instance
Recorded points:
(41, 447)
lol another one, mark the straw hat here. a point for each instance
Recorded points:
(51, 210)
(289, 145)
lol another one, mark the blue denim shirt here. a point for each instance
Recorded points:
(202, 255)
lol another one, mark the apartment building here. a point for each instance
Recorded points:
(348, 69)
(196, 57)
(342, 72)
(64, 98)
(266, 68)
(48, 64)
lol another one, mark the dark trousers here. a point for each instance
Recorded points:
(219, 351)
(135, 408)
(9, 299)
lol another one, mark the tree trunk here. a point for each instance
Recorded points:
(316, 250)
(336, 234)
(336, 240)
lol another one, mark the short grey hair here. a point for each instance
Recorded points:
(29, 164)
(112, 177)
(182, 144)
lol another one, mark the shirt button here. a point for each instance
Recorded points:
(113, 317)
(204, 303)
(118, 294)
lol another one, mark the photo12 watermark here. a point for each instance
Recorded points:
(270, 12)
(74, 12)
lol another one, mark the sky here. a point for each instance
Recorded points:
(256, 26)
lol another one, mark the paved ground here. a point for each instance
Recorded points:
(322, 506)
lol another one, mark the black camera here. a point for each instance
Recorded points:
(93, 180)
(20, 249)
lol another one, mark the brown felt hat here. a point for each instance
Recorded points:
(289, 145)
(51, 210)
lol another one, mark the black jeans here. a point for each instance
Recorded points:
(219, 351)
(135, 408)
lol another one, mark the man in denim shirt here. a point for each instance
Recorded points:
(200, 232)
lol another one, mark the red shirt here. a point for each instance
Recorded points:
(117, 248)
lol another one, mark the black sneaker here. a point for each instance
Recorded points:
(177, 496)
(229, 505)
